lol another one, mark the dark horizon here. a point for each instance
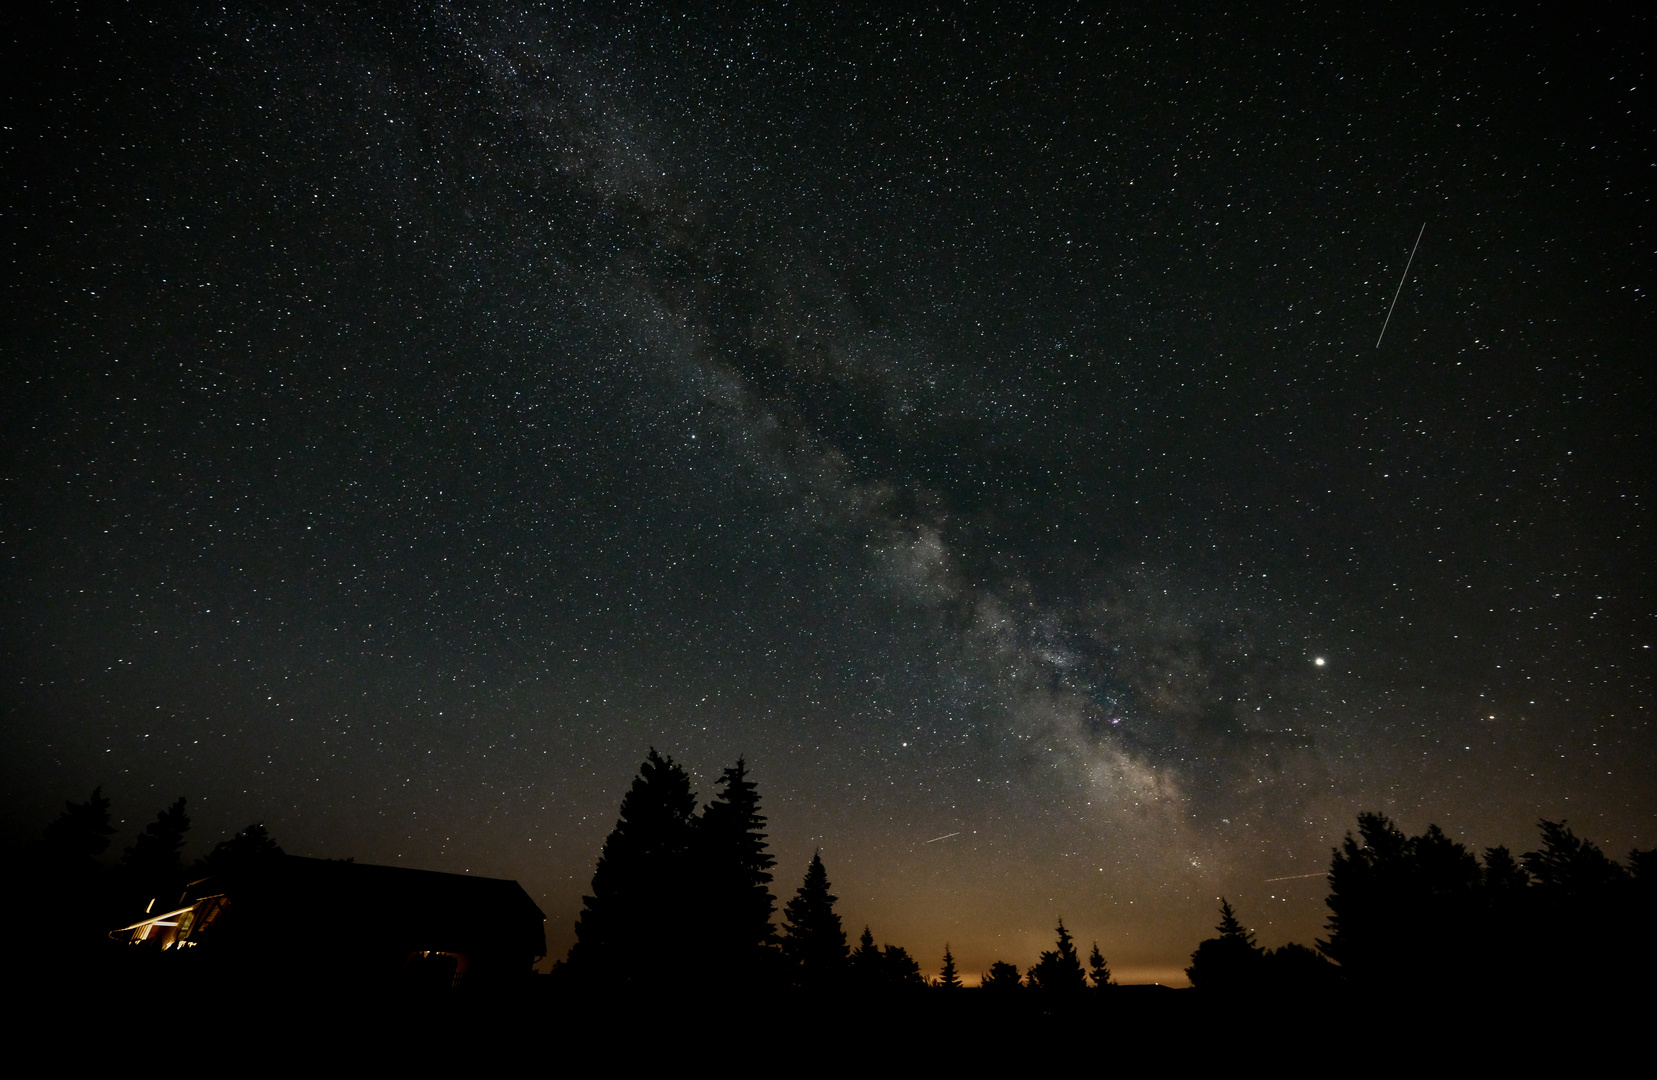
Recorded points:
(975, 420)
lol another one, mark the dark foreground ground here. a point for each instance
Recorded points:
(101, 1019)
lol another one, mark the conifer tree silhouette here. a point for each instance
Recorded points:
(641, 911)
(1060, 968)
(1399, 904)
(72, 843)
(1001, 977)
(735, 874)
(882, 970)
(1642, 867)
(1229, 927)
(1230, 963)
(152, 866)
(864, 966)
(1585, 909)
(949, 978)
(1502, 919)
(67, 863)
(812, 938)
(1642, 911)
(1502, 872)
(249, 848)
(1571, 865)
(1295, 971)
(899, 971)
(1097, 969)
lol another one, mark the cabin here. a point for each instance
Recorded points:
(299, 920)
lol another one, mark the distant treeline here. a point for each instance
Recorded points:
(678, 890)
(95, 898)
(1404, 910)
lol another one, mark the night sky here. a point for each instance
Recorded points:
(974, 418)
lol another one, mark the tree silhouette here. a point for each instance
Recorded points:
(152, 866)
(899, 970)
(1564, 914)
(67, 863)
(1230, 927)
(1229, 963)
(1570, 865)
(1502, 873)
(1060, 969)
(1399, 905)
(1584, 911)
(884, 970)
(1097, 969)
(249, 848)
(812, 939)
(1642, 867)
(949, 978)
(735, 871)
(640, 914)
(1001, 978)
(864, 964)
(1642, 911)
(1294, 970)
(1504, 919)
(72, 843)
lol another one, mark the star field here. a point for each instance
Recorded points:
(974, 418)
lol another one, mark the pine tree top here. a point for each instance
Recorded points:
(83, 830)
(813, 905)
(1097, 969)
(949, 978)
(1060, 968)
(157, 848)
(812, 935)
(1229, 927)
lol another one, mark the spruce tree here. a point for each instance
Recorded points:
(735, 875)
(1001, 977)
(1230, 963)
(1097, 969)
(1570, 865)
(68, 866)
(882, 970)
(71, 844)
(949, 978)
(899, 971)
(641, 914)
(1229, 927)
(1060, 969)
(249, 848)
(812, 938)
(1503, 876)
(864, 966)
(1294, 971)
(1400, 905)
(1589, 925)
(152, 867)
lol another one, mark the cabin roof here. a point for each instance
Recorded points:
(380, 901)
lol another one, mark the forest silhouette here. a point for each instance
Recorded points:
(682, 897)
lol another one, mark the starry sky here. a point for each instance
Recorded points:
(974, 416)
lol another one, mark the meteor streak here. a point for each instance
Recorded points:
(945, 836)
(1400, 291)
